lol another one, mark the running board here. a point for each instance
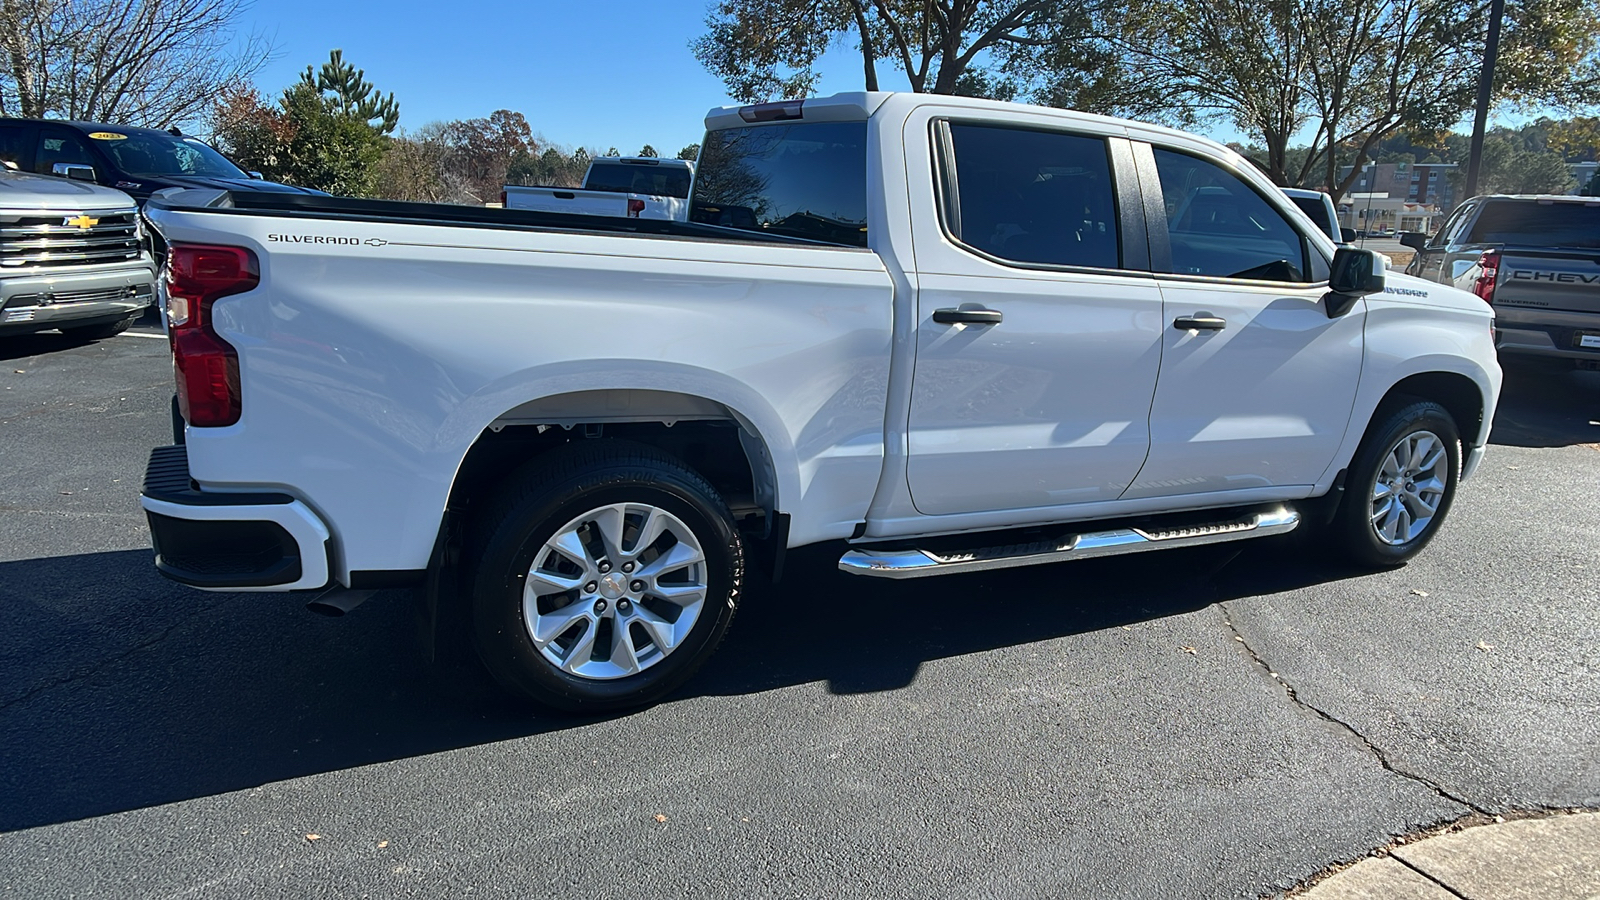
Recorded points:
(1117, 541)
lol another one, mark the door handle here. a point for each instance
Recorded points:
(968, 316)
(1202, 321)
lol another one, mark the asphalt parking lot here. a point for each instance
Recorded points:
(1209, 723)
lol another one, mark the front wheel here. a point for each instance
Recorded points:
(607, 573)
(1400, 485)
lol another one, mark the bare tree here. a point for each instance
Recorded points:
(136, 62)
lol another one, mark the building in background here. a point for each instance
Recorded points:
(1389, 198)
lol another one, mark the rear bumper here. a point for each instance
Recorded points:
(241, 541)
(1537, 332)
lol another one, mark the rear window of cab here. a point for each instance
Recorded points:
(804, 180)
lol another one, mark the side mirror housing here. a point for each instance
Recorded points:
(1353, 275)
(255, 176)
(74, 171)
(1416, 240)
(1348, 235)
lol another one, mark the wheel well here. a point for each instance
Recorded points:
(722, 450)
(1458, 394)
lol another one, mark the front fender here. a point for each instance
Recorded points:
(1405, 339)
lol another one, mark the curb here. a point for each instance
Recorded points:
(1541, 857)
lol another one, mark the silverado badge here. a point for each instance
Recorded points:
(83, 221)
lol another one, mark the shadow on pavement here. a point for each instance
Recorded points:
(119, 690)
(1547, 407)
(38, 343)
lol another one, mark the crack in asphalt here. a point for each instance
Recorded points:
(1376, 751)
(89, 673)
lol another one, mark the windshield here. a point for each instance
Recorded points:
(1538, 224)
(155, 155)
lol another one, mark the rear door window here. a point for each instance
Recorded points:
(61, 147)
(805, 180)
(1219, 226)
(1033, 197)
(1538, 224)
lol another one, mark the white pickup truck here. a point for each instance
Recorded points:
(635, 187)
(953, 335)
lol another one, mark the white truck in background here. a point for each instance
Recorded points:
(635, 187)
(950, 334)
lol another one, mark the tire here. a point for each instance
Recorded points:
(1400, 486)
(563, 551)
(98, 332)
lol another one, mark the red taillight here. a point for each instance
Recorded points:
(207, 366)
(1488, 271)
(502, 199)
(635, 207)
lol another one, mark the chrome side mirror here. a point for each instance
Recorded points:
(75, 171)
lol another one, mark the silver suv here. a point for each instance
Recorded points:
(72, 257)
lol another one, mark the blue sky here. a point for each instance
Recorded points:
(612, 73)
(615, 73)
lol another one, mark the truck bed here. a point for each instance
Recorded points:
(351, 209)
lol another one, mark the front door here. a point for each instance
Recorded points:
(1257, 383)
(1037, 351)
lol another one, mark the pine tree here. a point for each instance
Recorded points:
(352, 95)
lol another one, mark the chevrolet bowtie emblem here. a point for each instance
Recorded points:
(84, 222)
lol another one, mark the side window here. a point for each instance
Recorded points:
(1450, 228)
(1219, 226)
(14, 145)
(1451, 233)
(1033, 196)
(60, 147)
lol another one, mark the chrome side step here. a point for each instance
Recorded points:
(921, 563)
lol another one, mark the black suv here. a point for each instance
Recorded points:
(136, 161)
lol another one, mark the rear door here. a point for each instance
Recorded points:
(1257, 383)
(1038, 324)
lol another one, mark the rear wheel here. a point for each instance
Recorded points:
(607, 573)
(1400, 485)
(98, 332)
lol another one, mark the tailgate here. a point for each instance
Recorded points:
(561, 200)
(1555, 280)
